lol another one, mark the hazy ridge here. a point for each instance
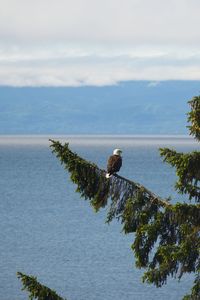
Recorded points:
(135, 107)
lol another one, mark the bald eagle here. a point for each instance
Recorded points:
(114, 163)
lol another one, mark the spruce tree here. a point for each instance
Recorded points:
(166, 236)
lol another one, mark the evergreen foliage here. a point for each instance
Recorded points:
(37, 290)
(187, 164)
(194, 117)
(187, 169)
(167, 237)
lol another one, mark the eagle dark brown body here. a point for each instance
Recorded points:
(114, 164)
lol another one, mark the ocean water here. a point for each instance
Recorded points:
(48, 231)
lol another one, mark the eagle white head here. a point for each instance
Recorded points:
(117, 152)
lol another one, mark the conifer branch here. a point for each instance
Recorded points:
(93, 185)
(187, 169)
(37, 290)
(194, 117)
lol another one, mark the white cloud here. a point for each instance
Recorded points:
(63, 68)
(62, 42)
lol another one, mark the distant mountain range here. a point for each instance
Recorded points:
(135, 107)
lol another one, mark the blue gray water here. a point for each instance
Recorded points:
(49, 232)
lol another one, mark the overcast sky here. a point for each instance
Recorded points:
(98, 42)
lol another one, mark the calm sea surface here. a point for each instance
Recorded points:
(48, 231)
